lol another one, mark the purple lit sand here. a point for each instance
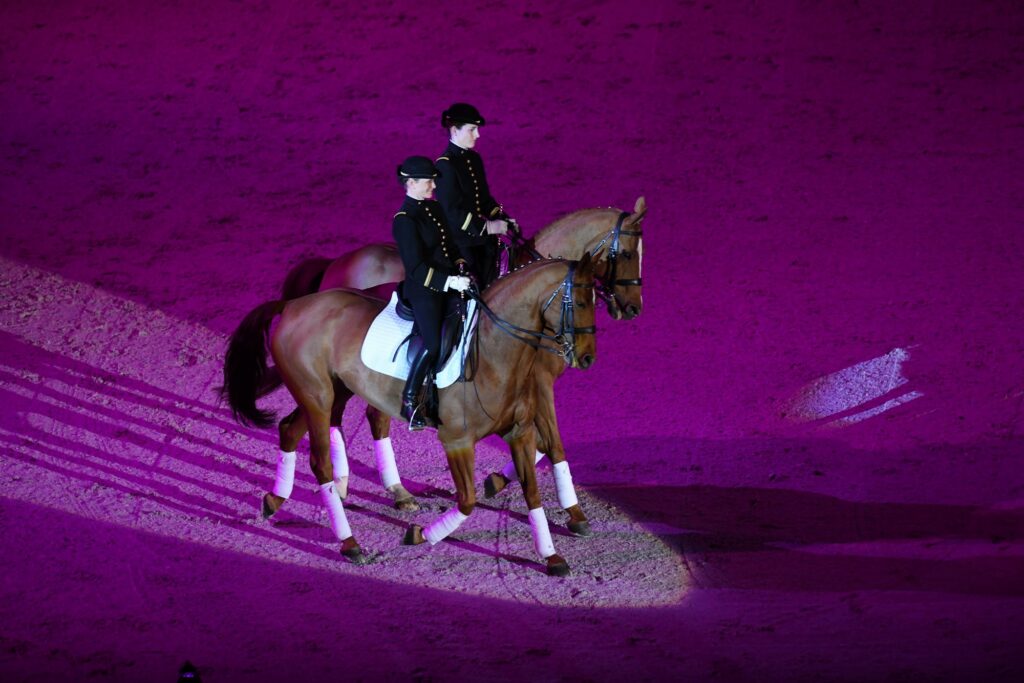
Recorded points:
(803, 461)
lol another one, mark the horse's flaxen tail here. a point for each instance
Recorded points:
(305, 278)
(245, 365)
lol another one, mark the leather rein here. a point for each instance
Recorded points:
(606, 285)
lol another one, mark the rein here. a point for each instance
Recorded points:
(564, 338)
(606, 285)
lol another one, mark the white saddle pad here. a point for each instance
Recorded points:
(388, 331)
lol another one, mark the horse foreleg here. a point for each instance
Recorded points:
(290, 431)
(547, 428)
(523, 450)
(460, 464)
(387, 468)
(323, 470)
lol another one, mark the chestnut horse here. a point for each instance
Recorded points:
(611, 236)
(316, 350)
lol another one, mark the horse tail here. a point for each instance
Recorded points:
(245, 365)
(304, 278)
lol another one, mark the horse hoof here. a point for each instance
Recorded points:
(356, 556)
(557, 566)
(493, 484)
(271, 504)
(413, 535)
(407, 505)
(404, 500)
(581, 529)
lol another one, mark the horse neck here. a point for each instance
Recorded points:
(573, 235)
(517, 298)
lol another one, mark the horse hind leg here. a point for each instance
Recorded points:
(496, 482)
(339, 454)
(387, 468)
(290, 431)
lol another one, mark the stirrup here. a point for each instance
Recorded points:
(414, 415)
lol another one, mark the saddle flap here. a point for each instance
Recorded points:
(451, 333)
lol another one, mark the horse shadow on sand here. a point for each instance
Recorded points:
(76, 420)
(786, 539)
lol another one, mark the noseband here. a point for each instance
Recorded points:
(606, 285)
(564, 338)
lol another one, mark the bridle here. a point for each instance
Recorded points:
(564, 338)
(606, 285)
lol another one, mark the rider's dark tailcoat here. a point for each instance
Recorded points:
(429, 254)
(467, 202)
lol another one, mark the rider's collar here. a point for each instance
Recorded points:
(454, 149)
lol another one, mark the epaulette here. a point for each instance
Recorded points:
(400, 213)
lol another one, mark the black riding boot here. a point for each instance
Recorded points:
(417, 373)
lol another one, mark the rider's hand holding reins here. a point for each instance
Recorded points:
(460, 283)
(496, 227)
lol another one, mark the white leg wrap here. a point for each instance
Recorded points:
(444, 525)
(386, 467)
(335, 511)
(541, 534)
(339, 459)
(563, 483)
(509, 471)
(285, 479)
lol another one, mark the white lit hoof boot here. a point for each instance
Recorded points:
(414, 535)
(557, 566)
(494, 484)
(271, 504)
(351, 551)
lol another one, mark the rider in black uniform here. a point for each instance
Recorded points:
(431, 258)
(475, 217)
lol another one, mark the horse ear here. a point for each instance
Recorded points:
(586, 264)
(639, 209)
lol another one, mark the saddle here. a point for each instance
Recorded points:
(451, 328)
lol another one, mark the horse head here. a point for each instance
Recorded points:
(573, 320)
(548, 305)
(619, 281)
(584, 329)
(613, 239)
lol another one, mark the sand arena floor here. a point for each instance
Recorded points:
(803, 461)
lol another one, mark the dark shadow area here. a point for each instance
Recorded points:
(750, 538)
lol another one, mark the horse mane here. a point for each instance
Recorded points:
(581, 215)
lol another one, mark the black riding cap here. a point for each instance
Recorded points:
(460, 112)
(418, 167)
